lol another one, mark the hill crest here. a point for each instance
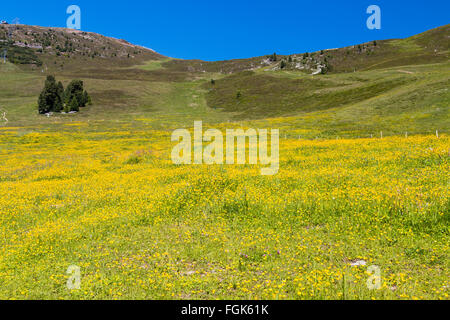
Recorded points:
(56, 49)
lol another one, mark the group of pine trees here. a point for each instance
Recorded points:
(54, 98)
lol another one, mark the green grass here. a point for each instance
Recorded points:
(154, 65)
(412, 99)
(108, 200)
(97, 188)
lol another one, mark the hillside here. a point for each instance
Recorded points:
(61, 49)
(432, 46)
(389, 85)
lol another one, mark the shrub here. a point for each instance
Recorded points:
(19, 55)
(326, 68)
(134, 160)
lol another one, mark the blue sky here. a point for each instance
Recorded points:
(219, 30)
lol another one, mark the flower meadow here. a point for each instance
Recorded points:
(111, 202)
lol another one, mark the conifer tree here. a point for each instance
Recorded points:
(50, 99)
(74, 104)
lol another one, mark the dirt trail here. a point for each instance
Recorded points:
(404, 71)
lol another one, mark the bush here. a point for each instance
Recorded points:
(19, 55)
(134, 160)
(326, 68)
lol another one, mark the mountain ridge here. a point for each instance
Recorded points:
(53, 44)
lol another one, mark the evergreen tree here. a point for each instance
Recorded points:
(42, 104)
(75, 89)
(54, 98)
(61, 90)
(86, 98)
(80, 98)
(50, 99)
(74, 104)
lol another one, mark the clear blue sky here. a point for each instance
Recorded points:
(219, 30)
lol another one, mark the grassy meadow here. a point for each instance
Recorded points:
(98, 189)
(140, 227)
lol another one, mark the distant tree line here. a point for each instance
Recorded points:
(54, 98)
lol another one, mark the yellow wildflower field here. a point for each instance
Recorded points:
(139, 227)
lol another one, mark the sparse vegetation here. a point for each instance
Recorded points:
(273, 57)
(19, 55)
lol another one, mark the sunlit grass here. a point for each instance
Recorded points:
(140, 227)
